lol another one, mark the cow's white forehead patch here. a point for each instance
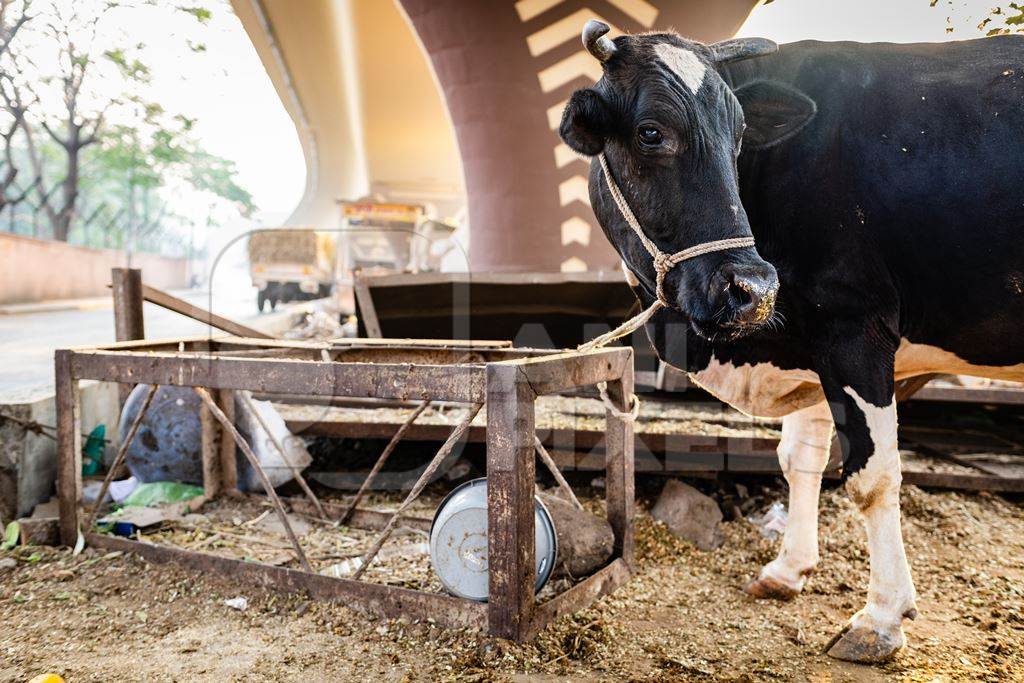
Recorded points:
(684, 64)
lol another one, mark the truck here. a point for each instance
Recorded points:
(291, 264)
(298, 264)
(379, 236)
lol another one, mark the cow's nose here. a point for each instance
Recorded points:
(750, 291)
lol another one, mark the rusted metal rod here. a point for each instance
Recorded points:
(417, 488)
(247, 401)
(254, 461)
(377, 466)
(173, 303)
(38, 428)
(121, 453)
(549, 462)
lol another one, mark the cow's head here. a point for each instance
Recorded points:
(671, 131)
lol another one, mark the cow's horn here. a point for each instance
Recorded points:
(735, 49)
(596, 42)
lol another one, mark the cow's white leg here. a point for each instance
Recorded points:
(803, 454)
(875, 633)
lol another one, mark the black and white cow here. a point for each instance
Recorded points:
(884, 186)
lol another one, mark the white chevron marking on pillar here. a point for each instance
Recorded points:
(528, 9)
(562, 31)
(574, 265)
(574, 189)
(642, 11)
(555, 114)
(580, 64)
(565, 155)
(576, 230)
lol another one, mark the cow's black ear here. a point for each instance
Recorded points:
(774, 112)
(586, 122)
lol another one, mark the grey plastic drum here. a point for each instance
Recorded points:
(458, 542)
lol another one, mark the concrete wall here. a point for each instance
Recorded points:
(28, 461)
(41, 270)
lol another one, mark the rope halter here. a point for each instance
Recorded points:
(663, 263)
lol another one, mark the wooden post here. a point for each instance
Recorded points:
(69, 447)
(510, 502)
(126, 289)
(228, 463)
(619, 465)
(211, 452)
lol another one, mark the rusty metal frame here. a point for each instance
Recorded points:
(508, 380)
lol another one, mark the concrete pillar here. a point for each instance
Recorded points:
(506, 70)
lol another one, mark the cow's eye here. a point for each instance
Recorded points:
(649, 136)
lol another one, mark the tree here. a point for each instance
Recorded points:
(13, 16)
(77, 122)
(84, 146)
(134, 166)
(1008, 18)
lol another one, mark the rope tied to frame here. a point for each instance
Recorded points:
(626, 415)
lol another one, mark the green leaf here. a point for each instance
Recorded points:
(202, 14)
(11, 535)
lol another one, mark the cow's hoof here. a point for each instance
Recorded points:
(767, 588)
(865, 645)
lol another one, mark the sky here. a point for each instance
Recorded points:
(240, 116)
(223, 85)
(899, 21)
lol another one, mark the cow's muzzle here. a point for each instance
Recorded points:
(743, 295)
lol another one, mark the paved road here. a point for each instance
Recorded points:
(27, 341)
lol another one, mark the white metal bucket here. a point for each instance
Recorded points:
(458, 541)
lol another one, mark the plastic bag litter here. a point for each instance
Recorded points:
(350, 565)
(241, 604)
(118, 491)
(92, 451)
(278, 471)
(343, 569)
(773, 522)
(161, 493)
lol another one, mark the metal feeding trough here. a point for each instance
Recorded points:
(507, 380)
(458, 542)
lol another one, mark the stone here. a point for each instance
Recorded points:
(585, 541)
(690, 515)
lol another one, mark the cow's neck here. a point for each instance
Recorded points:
(678, 345)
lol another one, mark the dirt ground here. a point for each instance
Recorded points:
(106, 617)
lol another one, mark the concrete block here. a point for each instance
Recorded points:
(28, 461)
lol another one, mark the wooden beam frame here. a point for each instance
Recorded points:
(509, 380)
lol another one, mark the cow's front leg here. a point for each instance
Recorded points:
(858, 383)
(803, 454)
